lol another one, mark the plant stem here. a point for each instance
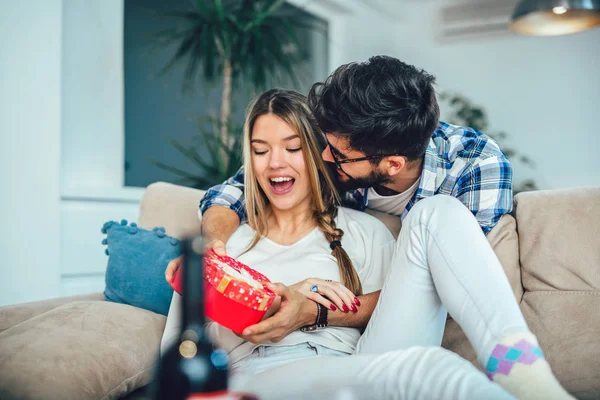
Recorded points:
(226, 108)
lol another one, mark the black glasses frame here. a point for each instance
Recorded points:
(338, 163)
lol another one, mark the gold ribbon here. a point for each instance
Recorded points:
(223, 284)
(263, 304)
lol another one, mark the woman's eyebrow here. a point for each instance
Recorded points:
(285, 140)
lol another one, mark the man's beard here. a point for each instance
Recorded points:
(375, 178)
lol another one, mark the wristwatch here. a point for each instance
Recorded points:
(321, 322)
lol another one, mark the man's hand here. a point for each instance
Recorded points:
(295, 311)
(217, 245)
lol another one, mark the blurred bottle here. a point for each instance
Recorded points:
(191, 369)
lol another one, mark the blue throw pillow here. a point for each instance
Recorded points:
(137, 259)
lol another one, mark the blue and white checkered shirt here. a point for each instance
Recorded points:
(459, 161)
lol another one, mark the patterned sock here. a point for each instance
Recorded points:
(518, 365)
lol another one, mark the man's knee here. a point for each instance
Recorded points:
(438, 206)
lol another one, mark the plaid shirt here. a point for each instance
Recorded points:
(459, 161)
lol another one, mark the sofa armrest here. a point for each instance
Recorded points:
(15, 314)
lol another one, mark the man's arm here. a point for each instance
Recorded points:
(218, 224)
(297, 311)
(229, 194)
(486, 189)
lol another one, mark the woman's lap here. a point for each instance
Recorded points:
(266, 357)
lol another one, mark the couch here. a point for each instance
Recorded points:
(84, 347)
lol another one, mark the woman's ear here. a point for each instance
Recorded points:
(395, 164)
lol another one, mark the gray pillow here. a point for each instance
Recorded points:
(81, 350)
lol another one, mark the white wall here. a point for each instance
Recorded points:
(543, 92)
(92, 84)
(92, 140)
(30, 103)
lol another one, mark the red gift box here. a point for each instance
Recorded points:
(236, 295)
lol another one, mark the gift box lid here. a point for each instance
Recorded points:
(237, 281)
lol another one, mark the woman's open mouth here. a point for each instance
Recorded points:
(281, 184)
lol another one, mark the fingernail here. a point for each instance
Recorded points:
(357, 301)
(220, 250)
(354, 308)
(333, 308)
(345, 308)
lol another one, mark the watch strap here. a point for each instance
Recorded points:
(321, 322)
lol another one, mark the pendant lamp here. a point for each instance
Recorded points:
(555, 17)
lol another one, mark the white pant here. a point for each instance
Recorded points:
(442, 261)
(409, 374)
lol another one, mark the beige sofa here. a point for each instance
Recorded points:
(86, 348)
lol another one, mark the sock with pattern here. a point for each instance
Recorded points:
(518, 365)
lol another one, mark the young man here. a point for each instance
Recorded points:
(389, 152)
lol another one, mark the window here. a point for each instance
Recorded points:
(156, 109)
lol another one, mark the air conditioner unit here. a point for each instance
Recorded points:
(474, 19)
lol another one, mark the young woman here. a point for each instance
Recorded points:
(297, 234)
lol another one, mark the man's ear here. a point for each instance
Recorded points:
(395, 164)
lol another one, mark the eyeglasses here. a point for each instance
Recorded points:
(338, 163)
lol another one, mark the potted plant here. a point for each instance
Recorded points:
(243, 44)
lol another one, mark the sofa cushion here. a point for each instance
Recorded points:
(567, 325)
(135, 273)
(504, 240)
(17, 313)
(559, 233)
(173, 207)
(81, 350)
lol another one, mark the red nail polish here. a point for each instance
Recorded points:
(357, 301)
(345, 308)
(333, 308)
(354, 308)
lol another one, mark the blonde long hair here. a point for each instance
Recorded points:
(292, 108)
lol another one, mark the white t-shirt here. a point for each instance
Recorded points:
(367, 241)
(395, 204)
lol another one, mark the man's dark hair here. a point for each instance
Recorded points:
(383, 106)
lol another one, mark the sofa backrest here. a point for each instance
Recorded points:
(172, 206)
(559, 239)
(176, 208)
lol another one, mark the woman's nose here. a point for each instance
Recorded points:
(277, 160)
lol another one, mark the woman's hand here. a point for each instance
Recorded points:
(331, 294)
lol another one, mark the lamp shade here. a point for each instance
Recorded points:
(555, 17)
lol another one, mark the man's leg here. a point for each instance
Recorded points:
(414, 373)
(443, 260)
